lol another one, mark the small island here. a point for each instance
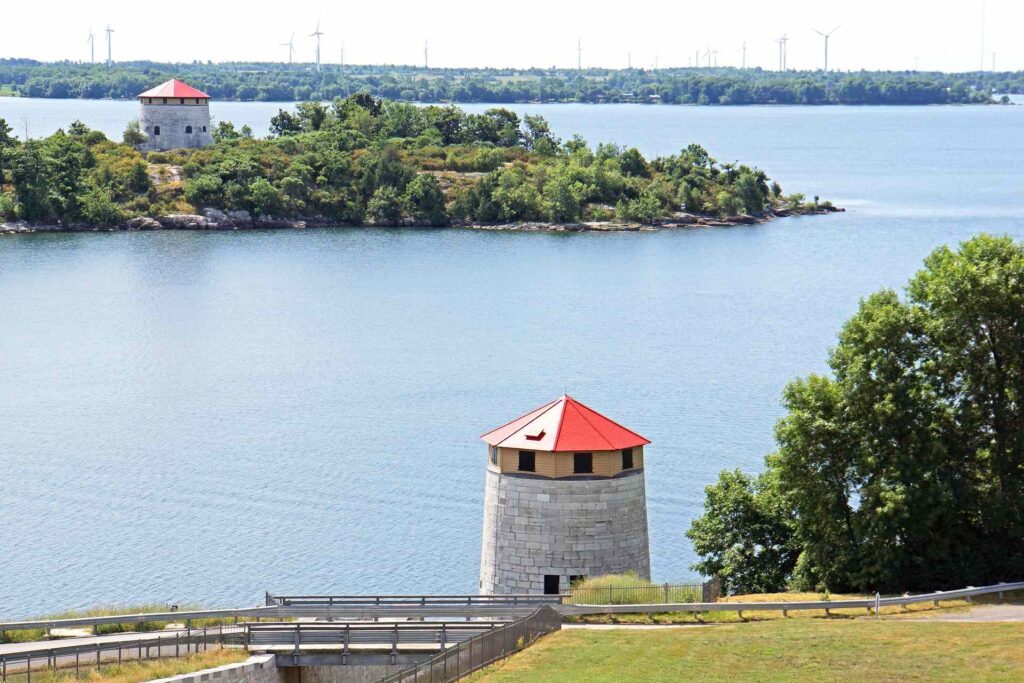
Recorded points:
(367, 161)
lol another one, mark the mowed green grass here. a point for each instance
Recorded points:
(797, 650)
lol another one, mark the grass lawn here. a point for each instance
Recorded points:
(792, 650)
(132, 672)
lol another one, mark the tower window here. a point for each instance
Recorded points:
(527, 461)
(627, 458)
(182, 101)
(204, 129)
(165, 100)
(156, 130)
(494, 455)
(582, 463)
(188, 130)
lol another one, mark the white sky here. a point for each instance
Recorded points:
(875, 34)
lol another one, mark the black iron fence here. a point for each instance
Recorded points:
(457, 661)
(19, 667)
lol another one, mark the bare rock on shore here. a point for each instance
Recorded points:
(184, 221)
(144, 223)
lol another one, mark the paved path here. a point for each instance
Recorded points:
(1005, 612)
(630, 627)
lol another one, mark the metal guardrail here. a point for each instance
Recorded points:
(454, 663)
(313, 606)
(870, 604)
(184, 616)
(69, 654)
(519, 599)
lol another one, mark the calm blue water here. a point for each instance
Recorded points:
(202, 417)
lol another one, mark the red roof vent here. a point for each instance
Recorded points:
(564, 425)
(175, 88)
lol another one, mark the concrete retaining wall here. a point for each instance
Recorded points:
(360, 673)
(256, 669)
(569, 527)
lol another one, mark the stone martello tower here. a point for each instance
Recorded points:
(174, 115)
(564, 500)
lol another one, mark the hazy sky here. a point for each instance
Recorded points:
(896, 34)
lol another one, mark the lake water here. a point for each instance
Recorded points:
(201, 417)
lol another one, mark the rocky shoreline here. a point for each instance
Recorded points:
(215, 219)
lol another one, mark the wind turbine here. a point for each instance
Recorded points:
(426, 54)
(714, 53)
(629, 60)
(316, 34)
(744, 49)
(983, 27)
(291, 47)
(826, 36)
(110, 57)
(92, 46)
(579, 54)
(782, 51)
(707, 54)
(342, 63)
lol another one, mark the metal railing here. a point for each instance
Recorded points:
(871, 604)
(139, 620)
(456, 662)
(69, 654)
(633, 595)
(347, 639)
(329, 601)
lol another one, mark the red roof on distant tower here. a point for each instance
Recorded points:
(564, 425)
(175, 88)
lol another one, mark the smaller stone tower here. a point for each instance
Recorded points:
(174, 115)
(564, 500)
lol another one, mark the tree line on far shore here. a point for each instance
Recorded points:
(363, 160)
(718, 86)
(903, 470)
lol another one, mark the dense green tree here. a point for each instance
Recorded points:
(133, 135)
(7, 142)
(424, 199)
(745, 535)
(385, 206)
(905, 470)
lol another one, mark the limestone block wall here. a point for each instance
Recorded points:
(173, 119)
(570, 527)
(257, 669)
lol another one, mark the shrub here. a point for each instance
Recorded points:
(6, 206)
(385, 207)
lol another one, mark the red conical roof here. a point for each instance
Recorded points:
(175, 88)
(564, 425)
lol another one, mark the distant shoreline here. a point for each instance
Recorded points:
(217, 221)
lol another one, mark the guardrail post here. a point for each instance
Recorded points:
(348, 637)
(443, 637)
(76, 664)
(1000, 600)
(28, 669)
(394, 644)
